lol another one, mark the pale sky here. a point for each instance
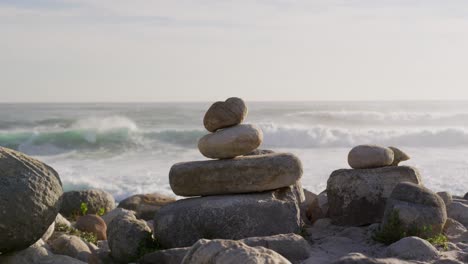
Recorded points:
(147, 50)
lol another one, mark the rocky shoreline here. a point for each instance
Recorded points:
(244, 205)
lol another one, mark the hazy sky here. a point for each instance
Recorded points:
(147, 50)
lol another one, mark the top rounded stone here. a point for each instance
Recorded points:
(225, 114)
(370, 156)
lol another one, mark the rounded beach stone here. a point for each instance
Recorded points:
(29, 199)
(225, 114)
(71, 246)
(95, 200)
(146, 205)
(231, 142)
(447, 197)
(241, 175)
(412, 248)
(93, 224)
(370, 156)
(398, 156)
(417, 207)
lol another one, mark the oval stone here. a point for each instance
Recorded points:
(231, 142)
(225, 114)
(370, 156)
(240, 175)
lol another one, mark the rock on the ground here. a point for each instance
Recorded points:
(318, 208)
(231, 142)
(93, 224)
(230, 252)
(358, 258)
(453, 228)
(127, 236)
(146, 205)
(358, 197)
(29, 255)
(95, 200)
(446, 197)
(370, 156)
(417, 207)
(29, 199)
(49, 232)
(225, 114)
(108, 217)
(310, 197)
(412, 248)
(168, 256)
(459, 212)
(60, 220)
(71, 246)
(240, 175)
(182, 223)
(398, 156)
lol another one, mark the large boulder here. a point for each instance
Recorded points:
(230, 252)
(92, 224)
(127, 237)
(182, 223)
(231, 142)
(240, 175)
(146, 205)
(71, 246)
(225, 114)
(30, 255)
(370, 156)
(358, 197)
(29, 199)
(412, 248)
(420, 211)
(94, 199)
(459, 212)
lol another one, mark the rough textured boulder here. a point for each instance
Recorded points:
(108, 217)
(412, 248)
(230, 252)
(447, 197)
(358, 197)
(398, 156)
(240, 175)
(370, 156)
(417, 208)
(93, 224)
(29, 199)
(127, 236)
(71, 246)
(95, 199)
(231, 142)
(459, 212)
(168, 256)
(146, 205)
(182, 223)
(291, 246)
(318, 209)
(225, 114)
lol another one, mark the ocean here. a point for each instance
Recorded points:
(128, 148)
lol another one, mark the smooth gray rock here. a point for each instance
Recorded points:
(398, 156)
(108, 217)
(30, 255)
(168, 256)
(49, 232)
(146, 205)
(447, 197)
(370, 156)
(225, 114)
(29, 199)
(95, 199)
(71, 246)
(412, 248)
(358, 258)
(126, 237)
(182, 223)
(358, 197)
(231, 142)
(418, 208)
(230, 252)
(459, 212)
(60, 220)
(453, 228)
(240, 175)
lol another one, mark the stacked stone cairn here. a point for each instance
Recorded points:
(241, 192)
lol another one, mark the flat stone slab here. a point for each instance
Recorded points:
(184, 222)
(240, 175)
(358, 197)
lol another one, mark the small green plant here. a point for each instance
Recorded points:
(84, 208)
(101, 211)
(439, 240)
(86, 236)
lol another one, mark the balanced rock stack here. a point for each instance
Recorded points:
(358, 196)
(244, 192)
